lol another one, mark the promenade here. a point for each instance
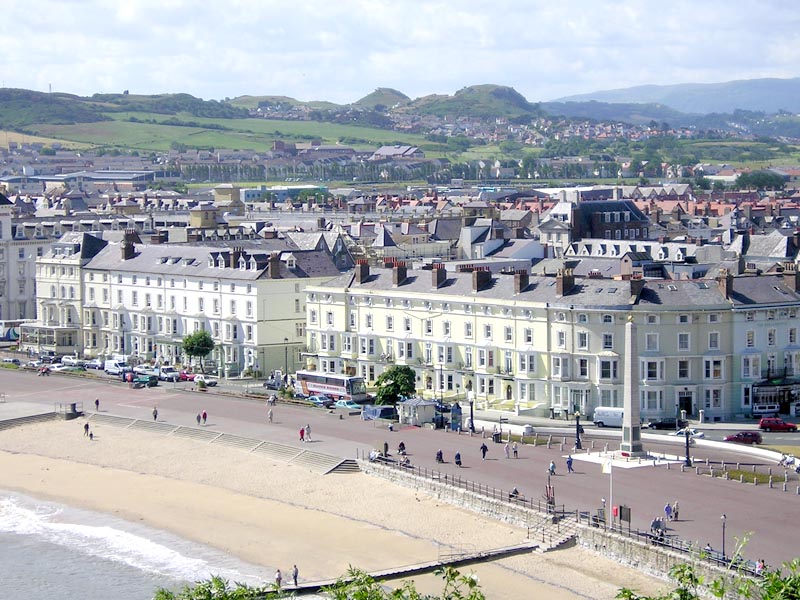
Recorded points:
(756, 511)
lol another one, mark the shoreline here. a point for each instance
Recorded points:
(273, 514)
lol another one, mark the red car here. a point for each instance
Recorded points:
(744, 437)
(186, 376)
(776, 424)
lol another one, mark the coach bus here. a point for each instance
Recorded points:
(334, 385)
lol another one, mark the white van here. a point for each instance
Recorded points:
(608, 416)
(115, 367)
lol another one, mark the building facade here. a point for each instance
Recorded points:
(516, 341)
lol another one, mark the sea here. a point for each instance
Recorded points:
(50, 550)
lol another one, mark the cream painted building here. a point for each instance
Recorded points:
(521, 342)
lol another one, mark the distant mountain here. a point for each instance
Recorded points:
(631, 112)
(385, 97)
(763, 95)
(260, 101)
(482, 101)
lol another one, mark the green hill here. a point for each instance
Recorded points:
(637, 114)
(21, 108)
(385, 97)
(257, 101)
(169, 104)
(482, 101)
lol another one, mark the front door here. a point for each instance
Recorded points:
(685, 402)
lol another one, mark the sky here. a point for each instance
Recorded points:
(341, 50)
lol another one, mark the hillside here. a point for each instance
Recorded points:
(21, 108)
(637, 114)
(249, 102)
(385, 97)
(481, 101)
(762, 95)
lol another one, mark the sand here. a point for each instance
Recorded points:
(273, 514)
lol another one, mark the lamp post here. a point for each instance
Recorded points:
(471, 411)
(578, 430)
(688, 460)
(723, 518)
(286, 357)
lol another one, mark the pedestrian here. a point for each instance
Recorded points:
(278, 578)
(675, 510)
(457, 459)
(484, 450)
(668, 511)
(507, 450)
(552, 468)
(97, 404)
(199, 418)
(514, 449)
(269, 415)
(91, 436)
(205, 416)
(569, 464)
(86, 429)
(308, 433)
(295, 573)
(302, 434)
(708, 548)
(155, 413)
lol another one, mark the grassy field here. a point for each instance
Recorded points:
(254, 134)
(7, 137)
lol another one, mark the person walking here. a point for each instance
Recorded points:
(675, 510)
(308, 432)
(552, 468)
(295, 573)
(668, 511)
(569, 464)
(205, 416)
(514, 450)
(457, 459)
(278, 578)
(91, 436)
(269, 415)
(97, 404)
(484, 450)
(507, 450)
(302, 434)
(85, 429)
(199, 418)
(155, 413)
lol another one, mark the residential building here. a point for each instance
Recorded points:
(521, 342)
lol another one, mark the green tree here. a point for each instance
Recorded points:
(198, 344)
(396, 381)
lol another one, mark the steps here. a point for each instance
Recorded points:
(155, 426)
(236, 441)
(192, 433)
(104, 419)
(9, 423)
(316, 461)
(346, 466)
(277, 451)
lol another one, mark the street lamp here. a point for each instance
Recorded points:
(578, 430)
(723, 518)
(688, 461)
(285, 356)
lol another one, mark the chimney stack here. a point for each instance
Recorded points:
(565, 281)
(521, 280)
(438, 275)
(362, 270)
(275, 265)
(637, 285)
(725, 281)
(235, 253)
(399, 271)
(481, 279)
(791, 277)
(128, 250)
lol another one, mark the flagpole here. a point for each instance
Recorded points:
(610, 494)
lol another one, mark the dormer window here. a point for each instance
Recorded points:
(242, 264)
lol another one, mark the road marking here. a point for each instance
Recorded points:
(39, 392)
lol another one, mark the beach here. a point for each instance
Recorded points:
(274, 515)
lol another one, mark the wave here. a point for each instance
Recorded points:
(106, 537)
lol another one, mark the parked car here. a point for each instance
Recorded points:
(11, 361)
(348, 404)
(776, 424)
(693, 433)
(744, 437)
(47, 359)
(186, 376)
(95, 363)
(146, 380)
(668, 423)
(272, 384)
(68, 368)
(207, 379)
(322, 401)
(168, 374)
(71, 360)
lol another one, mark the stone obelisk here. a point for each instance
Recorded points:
(631, 423)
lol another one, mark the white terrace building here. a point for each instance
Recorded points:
(522, 342)
(142, 300)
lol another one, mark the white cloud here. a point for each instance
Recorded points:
(317, 49)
